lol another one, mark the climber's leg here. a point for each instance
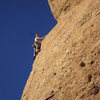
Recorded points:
(34, 56)
(35, 53)
(38, 47)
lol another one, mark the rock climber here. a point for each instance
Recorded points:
(37, 44)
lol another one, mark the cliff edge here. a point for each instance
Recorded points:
(68, 66)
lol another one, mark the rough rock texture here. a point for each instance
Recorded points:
(59, 7)
(68, 66)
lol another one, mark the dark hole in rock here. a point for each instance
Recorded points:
(98, 52)
(95, 54)
(82, 64)
(76, 94)
(65, 70)
(55, 73)
(82, 41)
(89, 78)
(96, 73)
(94, 90)
(91, 62)
(60, 87)
(92, 51)
(63, 92)
(92, 25)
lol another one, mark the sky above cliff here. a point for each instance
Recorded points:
(18, 19)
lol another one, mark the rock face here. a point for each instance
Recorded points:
(60, 7)
(68, 66)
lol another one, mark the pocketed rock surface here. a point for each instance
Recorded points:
(68, 66)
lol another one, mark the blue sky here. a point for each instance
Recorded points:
(18, 19)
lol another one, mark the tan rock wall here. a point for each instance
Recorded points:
(68, 66)
(62, 6)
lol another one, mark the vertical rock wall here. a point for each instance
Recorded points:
(68, 66)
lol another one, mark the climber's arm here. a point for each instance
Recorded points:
(41, 38)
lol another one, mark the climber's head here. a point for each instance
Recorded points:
(37, 35)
